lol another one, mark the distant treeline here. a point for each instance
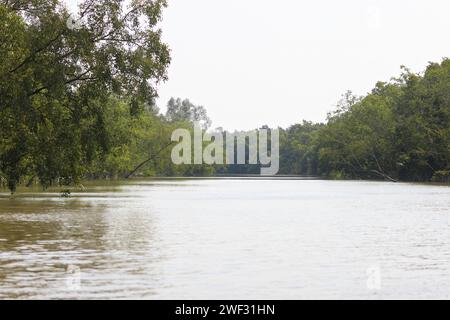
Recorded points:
(400, 131)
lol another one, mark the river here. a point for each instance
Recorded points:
(228, 239)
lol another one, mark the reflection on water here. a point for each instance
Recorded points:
(228, 239)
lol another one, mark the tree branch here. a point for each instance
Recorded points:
(148, 160)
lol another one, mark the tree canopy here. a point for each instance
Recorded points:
(399, 131)
(55, 80)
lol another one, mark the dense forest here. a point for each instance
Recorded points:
(399, 131)
(79, 103)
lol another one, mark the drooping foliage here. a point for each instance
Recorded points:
(56, 76)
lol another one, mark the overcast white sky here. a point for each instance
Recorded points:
(256, 62)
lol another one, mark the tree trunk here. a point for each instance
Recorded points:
(384, 175)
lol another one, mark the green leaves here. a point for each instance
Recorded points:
(401, 130)
(183, 110)
(54, 80)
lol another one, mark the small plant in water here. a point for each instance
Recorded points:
(65, 193)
